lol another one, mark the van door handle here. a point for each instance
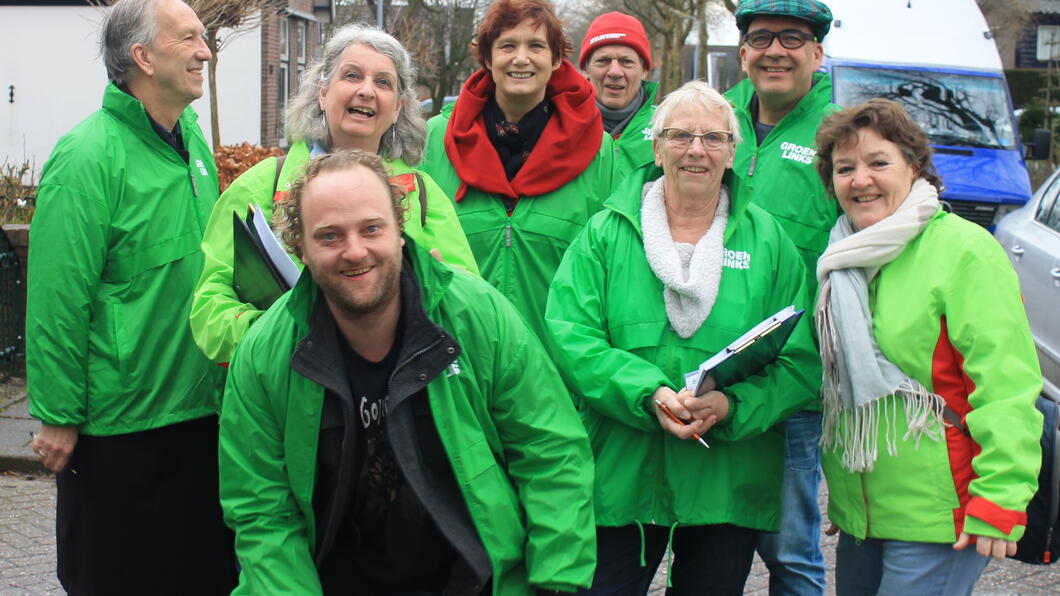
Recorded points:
(1017, 250)
(1055, 273)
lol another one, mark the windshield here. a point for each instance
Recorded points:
(953, 109)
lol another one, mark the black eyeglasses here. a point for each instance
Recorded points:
(791, 39)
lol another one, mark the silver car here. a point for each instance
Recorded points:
(1031, 238)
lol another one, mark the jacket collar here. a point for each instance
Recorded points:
(626, 199)
(316, 356)
(131, 112)
(820, 93)
(567, 146)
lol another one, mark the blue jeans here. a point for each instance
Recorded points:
(793, 556)
(886, 567)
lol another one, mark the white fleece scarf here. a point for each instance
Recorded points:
(690, 274)
(858, 378)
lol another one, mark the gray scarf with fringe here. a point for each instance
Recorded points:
(859, 381)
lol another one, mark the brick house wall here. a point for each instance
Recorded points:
(298, 30)
(1027, 45)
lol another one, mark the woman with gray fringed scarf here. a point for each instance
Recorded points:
(930, 444)
(677, 266)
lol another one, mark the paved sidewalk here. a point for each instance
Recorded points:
(16, 428)
(27, 524)
(27, 551)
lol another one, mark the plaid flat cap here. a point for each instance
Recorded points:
(813, 12)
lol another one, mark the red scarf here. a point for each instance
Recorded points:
(567, 146)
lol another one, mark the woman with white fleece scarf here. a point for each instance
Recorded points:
(930, 443)
(677, 266)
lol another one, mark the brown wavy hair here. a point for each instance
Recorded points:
(890, 120)
(287, 214)
(507, 14)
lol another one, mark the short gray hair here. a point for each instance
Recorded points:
(695, 94)
(305, 120)
(127, 23)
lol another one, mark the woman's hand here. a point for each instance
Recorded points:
(672, 400)
(712, 408)
(999, 548)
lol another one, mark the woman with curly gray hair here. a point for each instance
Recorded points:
(359, 95)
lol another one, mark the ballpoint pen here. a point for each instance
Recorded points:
(666, 410)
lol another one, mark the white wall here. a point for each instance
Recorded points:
(50, 55)
(238, 92)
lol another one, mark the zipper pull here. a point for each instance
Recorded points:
(194, 186)
(508, 234)
(754, 161)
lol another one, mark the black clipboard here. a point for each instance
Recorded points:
(258, 277)
(748, 354)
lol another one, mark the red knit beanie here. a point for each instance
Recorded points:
(615, 28)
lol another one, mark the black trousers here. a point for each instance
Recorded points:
(708, 560)
(139, 514)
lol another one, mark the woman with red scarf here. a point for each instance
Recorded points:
(522, 151)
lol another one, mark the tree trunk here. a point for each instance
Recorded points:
(701, 49)
(672, 73)
(215, 122)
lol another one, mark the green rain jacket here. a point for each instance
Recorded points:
(518, 450)
(783, 168)
(948, 313)
(613, 344)
(219, 319)
(114, 254)
(519, 253)
(633, 148)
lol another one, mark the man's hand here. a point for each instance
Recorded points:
(672, 400)
(54, 445)
(999, 548)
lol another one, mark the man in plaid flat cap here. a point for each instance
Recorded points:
(779, 106)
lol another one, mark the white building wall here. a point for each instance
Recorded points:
(51, 57)
(238, 92)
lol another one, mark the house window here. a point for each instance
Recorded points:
(285, 38)
(302, 41)
(1048, 42)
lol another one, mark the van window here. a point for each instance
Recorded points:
(963, 110)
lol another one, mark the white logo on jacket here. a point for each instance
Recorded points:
(454, 369)
(202, 167)
(737, 259)
(797, 152)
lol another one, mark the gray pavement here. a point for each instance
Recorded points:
(16, 428)
(27, 525)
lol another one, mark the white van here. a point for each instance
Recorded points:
(938, 59)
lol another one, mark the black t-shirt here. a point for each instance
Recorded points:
(387, 541)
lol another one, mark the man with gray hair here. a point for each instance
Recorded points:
(127, 401)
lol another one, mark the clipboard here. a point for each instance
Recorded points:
(751, 352)
(261, 269)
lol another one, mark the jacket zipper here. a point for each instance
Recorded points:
(865, 500)
(191, 176)
(754, 162)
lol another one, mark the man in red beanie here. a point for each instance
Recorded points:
(616, 56)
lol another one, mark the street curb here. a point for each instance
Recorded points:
(21, 465)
